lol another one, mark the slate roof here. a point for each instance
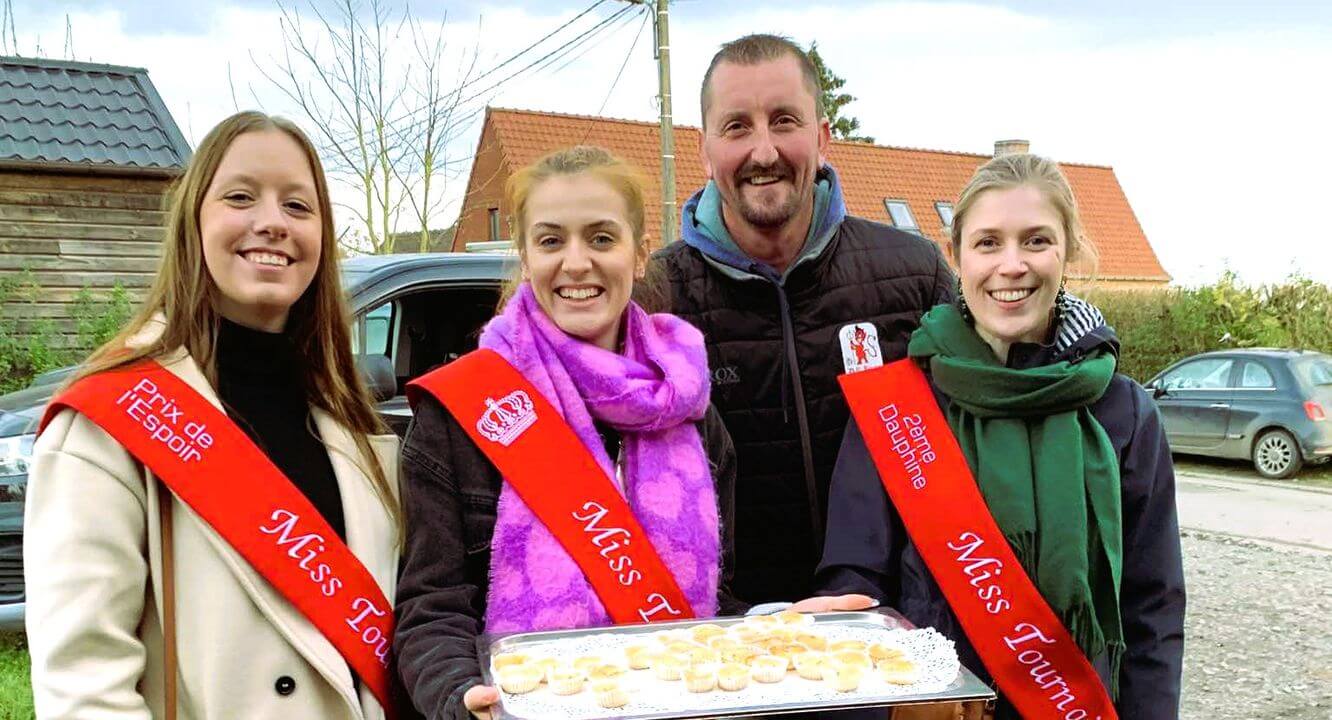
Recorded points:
(870, 175)
(82, 116)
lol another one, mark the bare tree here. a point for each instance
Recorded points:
(381, 108)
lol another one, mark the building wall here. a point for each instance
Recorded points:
(75, 231)
(485, 190)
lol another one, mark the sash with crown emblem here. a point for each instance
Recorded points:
(527, 440)
(1028, 651)
(212, 466)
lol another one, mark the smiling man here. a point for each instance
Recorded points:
(790, 292)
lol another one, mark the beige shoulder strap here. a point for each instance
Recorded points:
(168, 600)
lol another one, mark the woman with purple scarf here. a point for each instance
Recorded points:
(634, 389)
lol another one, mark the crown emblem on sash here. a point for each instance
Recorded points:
(507, 418)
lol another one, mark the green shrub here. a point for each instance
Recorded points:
(1159, 327)
(39, 347)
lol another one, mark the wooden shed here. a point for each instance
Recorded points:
(87, 152)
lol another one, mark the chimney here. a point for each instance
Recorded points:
(1011, 147)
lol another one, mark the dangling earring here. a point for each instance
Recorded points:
(962, 304)
(1060, 303)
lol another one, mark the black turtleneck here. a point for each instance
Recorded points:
(259, 379)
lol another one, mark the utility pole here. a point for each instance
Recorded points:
(669, 213)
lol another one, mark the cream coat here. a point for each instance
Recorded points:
(92, 555)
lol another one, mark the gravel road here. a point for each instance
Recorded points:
(1258, 642)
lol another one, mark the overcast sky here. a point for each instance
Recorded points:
(1214, 113)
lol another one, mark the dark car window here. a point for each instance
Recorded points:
(1255, 375)
(1205, 374)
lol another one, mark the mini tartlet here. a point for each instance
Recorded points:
(844, 678)
(899, 671)
(733, 677)
(639, 657)
(879, 652)
(668, 666)
(791, 617)
(519, 679)
(509, 659)
(768, 668)
(851, 658)
(840, 645)
(566, 681)
(812, 641)
(700, 678)
(810, 665)
(610, 694)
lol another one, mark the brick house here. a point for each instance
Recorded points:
(907, 187)
(86, 153)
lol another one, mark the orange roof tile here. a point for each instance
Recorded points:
(870, 174)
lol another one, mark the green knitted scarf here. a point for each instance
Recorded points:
(1046, 468)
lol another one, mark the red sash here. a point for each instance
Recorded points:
(214, 468)
(1022, 643)
(558, 478)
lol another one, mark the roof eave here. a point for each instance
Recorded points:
(88, 168)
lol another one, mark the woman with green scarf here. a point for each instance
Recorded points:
(1069, 456)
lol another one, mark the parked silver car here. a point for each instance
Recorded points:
(1267, 406)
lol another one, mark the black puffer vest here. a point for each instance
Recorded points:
(775, 356)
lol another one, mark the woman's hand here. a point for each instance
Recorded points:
(835, 602)
(478, 700)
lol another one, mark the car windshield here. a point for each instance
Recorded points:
(1318, 371)
(21, 422)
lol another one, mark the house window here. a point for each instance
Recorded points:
(494, 225)
(945, 213)
(900, 213)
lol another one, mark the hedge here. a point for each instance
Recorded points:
(1159, 327)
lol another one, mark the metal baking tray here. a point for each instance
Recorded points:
(966, 687)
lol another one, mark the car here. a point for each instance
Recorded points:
(411, 313)
(1268, 406)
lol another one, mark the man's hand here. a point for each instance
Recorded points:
(835, 602)
(478, 700)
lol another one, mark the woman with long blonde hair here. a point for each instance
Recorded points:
(213, 496)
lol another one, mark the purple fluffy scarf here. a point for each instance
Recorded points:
(652, 394)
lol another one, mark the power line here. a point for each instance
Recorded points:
(564, 49)
(616, 81)
(533, 46)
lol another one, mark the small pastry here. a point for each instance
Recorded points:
(812, 641)
(546, 665)
(840, 645)
(701, 633)
(810, 665)
(733, 676)
(879, 652)
(508, 659)
(587, 662)
(702, 655)
(566, 681)
(741, 653)
(789, 650)
(899, 671)
(782, 633)
(844, 678)
(766, 622)
(519, 679)
(721, 642)
(639, 656)
(768, 668)
(667, 666)
(666, 637)
(791, 617)
(610, 694)
(749, 634)
(700, 678)
(680, 647)
(853, 658)
(606, 672)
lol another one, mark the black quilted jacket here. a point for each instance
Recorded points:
(775, 356)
